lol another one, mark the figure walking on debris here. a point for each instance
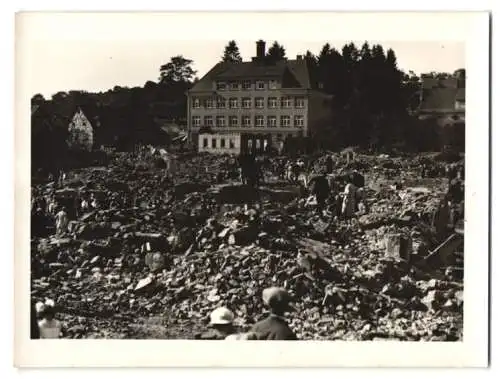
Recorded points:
(349, 201)
(275, 327)
(319, 188)
(61, 222)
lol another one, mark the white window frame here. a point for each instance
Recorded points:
(212, 145)
(206, 119)
(205, 143)
(196, 121)
(273, 84)
(257, 99)
(282, 119)
(260, 85)
(269, 118)
(244, 118)
(221, 86)
(286, 102)
(276, 102)
(221, 100)
(244, 100)
(196, 103)
(231, 143)
(298, 118)
(222, 145)
(231, 101)
(234, 86)
(209, 103)
(220, 125)
(262, 119)
(231, 118)
(246, 85)
(302, 103)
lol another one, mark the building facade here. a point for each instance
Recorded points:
(264, 102)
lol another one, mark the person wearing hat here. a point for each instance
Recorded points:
(49, 326)
(275, 327)
(221, 325)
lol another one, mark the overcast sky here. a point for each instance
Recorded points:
(94, 52)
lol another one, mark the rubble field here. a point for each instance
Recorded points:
(155, 261)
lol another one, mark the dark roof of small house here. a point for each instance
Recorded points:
(441, 94)
(294, 73)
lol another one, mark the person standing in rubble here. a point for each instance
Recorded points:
(221, 325)
(61, 178)
(62, 222)
(52, 207)
(320, 189)
(84, 205)
(93, 201)
(275, 327)
(349, 201)
(329, 164)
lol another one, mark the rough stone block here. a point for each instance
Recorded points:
(399, 246)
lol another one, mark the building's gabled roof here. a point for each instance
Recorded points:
(293, 73)
(438, 99)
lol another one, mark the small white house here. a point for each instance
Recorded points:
(81, 132)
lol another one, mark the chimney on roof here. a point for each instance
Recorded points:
(299, 57)
(261, 49)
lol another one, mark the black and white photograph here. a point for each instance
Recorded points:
(245, 187)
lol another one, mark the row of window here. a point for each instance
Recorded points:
(298, 121)
(246, 102)
(260, 85)
(222, 143)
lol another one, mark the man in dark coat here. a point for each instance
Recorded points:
(320, 188)
(275, 327)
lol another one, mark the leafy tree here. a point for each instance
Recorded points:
(350, 54)
(177, 70)
(232, 53)
(59, 96)
(276, 52)
(37, 99)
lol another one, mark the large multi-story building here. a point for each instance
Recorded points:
(262, 102)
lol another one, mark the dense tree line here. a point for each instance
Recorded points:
(371, 95)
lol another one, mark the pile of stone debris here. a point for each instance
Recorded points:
(180, 248)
